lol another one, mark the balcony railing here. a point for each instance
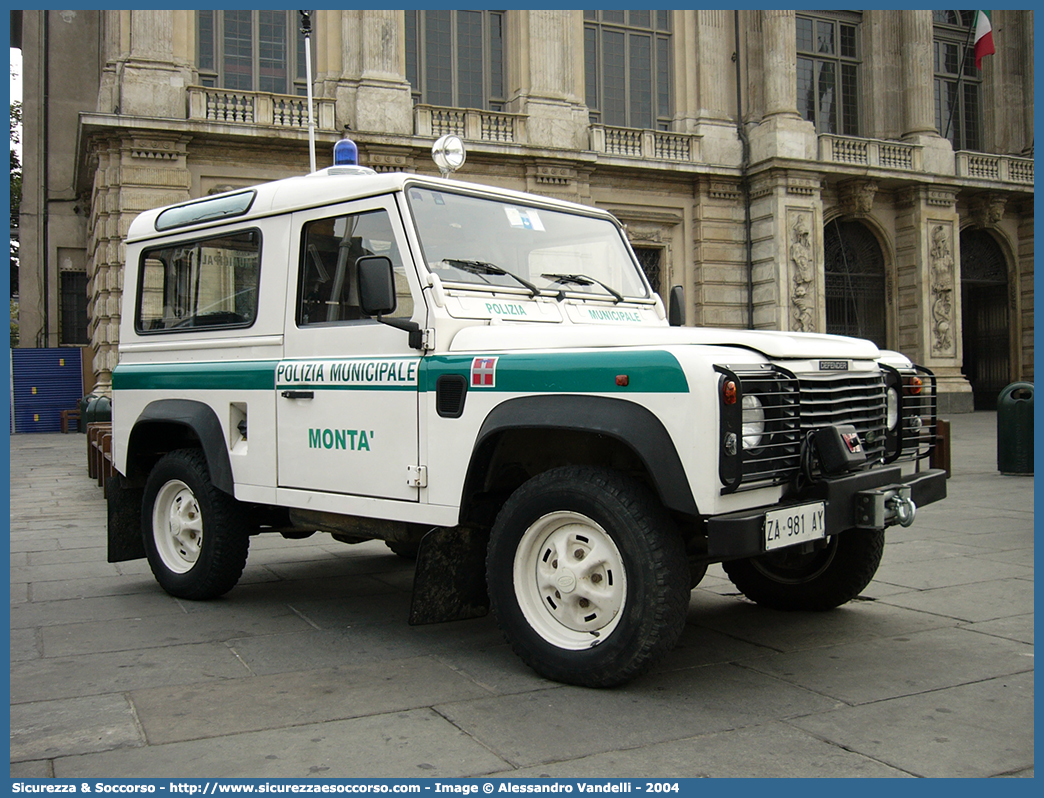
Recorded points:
(653, 145)
(469, 123)
(258, 108)
(1004, 168)
(871, 152)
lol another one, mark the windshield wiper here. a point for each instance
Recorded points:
(583, 279)
(482, 267)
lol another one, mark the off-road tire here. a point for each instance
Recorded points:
(820, 580)
(580, 534)
(196, 536)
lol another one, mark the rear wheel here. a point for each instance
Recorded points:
(587, 576)
(820, 579)
(196, 536)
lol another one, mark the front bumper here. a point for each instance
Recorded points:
(737, 535)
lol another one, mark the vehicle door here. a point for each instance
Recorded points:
(347, 388)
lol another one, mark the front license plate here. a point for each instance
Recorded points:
(794, 525)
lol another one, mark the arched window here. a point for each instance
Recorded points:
(828, 65)
(958, 85)
(627, 68)
(251, 51)
(456, 58)
(855, 282)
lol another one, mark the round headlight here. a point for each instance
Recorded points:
(753, 421)
(892, 408)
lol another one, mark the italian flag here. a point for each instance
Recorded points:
(983, 37)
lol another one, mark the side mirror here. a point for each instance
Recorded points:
(676, 307)
(376, 285)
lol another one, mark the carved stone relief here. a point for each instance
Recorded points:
(803, 291)
(941, 286)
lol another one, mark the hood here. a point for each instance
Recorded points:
(775, 345)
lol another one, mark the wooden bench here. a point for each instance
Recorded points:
(70, 415)
(99, 452)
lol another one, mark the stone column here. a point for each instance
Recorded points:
(714, 111)
(782, 132)
(545, 76)
(1027, 80)
(928, 272)
(151, 78)
(373, 95)
(918, 81)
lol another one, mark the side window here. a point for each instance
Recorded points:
(204, 284)
(327, 290)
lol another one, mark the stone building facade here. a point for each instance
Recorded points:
(792, 170)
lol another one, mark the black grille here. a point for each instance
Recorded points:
(774, 456)
(450, 392)
(849, 398)
(914, 437)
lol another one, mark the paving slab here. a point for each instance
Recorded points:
(972, 731)
(770, 751)
(414, 744)
(120, 671)
(775, 631)
(101, 608)
(50, 729)
(983, 601)
(175, 714)
(860, 673)
(175, 629)
(1017, 627)
(949, 572)
(569, 722)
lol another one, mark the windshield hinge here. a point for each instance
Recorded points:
(428, 339)
(417, 476)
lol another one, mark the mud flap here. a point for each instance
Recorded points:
(450, 581)
(124, 520)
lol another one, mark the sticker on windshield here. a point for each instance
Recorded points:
(526, 218)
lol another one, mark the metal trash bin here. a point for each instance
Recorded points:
(1015, 429)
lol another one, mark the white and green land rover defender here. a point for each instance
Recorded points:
(485, 380)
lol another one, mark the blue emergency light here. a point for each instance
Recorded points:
(345, 153)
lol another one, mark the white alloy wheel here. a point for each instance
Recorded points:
(569, 580)
(177, 526)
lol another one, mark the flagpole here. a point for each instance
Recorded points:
(960, 74)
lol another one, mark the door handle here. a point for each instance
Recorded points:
(298, 394)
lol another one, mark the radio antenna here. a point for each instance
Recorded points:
(306, 29)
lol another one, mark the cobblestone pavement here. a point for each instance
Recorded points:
(308, 667)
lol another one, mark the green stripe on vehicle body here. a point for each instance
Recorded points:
(249, 375)
(647, 371)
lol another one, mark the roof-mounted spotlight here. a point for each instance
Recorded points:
(448, 154)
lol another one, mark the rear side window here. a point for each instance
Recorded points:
(208, 283)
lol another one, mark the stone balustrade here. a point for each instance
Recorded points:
(469, 123)
(656, 145)
(225, 106)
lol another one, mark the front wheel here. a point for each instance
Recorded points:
(821, 579)
(587, 576)
(196, 536)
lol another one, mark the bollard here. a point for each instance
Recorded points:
(1015, 429)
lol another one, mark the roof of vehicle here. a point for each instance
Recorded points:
(324, 187)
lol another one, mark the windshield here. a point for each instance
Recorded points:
(485, 242)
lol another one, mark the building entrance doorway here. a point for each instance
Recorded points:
(855, 282)
(985, 325)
